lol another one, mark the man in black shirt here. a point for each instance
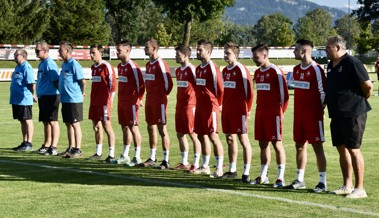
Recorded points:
(348, 88)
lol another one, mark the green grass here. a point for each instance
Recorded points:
(37, 186)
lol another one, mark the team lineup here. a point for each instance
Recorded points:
(204, 97)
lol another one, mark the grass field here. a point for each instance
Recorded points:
(37, 186)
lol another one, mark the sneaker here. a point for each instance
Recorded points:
(75, 153)
(95, 157)
(320, 187)
(24, 146)
(148, 163)
(52, 151)
(68, 151)
(121, 160)
(279, 184)
(192, 169)
(182, 167)
(164, 165)
(110, 159)
(343, 190)
(42, 150)
(228, 175)
(217, 174)
(357, 193)
(296, 184)
(203, 170)
(258, 181)
(245, 179)
(135, 161)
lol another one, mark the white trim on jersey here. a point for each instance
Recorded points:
(135, 73)
(110, 70)
(244, 77)
(319, 82)
(281, 83)
(163, 69)
(214, 75)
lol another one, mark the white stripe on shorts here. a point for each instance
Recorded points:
(163, 113)
(278, 128)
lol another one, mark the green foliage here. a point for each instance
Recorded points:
(78, 21)
(274, 29)
(239, 34)
(349, 28)
(369, 10)
(316, 26)
(365, 38)
(162, 36)
(22, 22)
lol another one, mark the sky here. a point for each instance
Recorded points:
(337, 3)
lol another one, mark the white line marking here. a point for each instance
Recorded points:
(161, 182)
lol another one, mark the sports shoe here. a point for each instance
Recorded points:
(135, 161)
(343, 190)
(24, 146)
(95, 157)
(320, 187)
(279, 184)
(228, 175)
(164, 165)
(217, 174)
(148, 163)
(68, 151)
(52, 151)
(245, 179)
(182, 167)
(75, 153)
(121, 160)
(258, 181)
(192, 169)
(42, 150)
(296, 184)
(203, 170)
(357, 193)
(110, 159)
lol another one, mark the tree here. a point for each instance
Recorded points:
(81, 22)
(189, 10)
(369, 11)
(349, 29)
(275, 30)
(316, 26)
(365, 39)
(22, 22)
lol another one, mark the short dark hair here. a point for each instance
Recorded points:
(154, 43)
(260, 47)
(207, 44)
(183, 49)
(125, 43)
(303, 42)
(100, 48)
(234, 47)
(67, 45)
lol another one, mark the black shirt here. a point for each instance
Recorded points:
(344, 95)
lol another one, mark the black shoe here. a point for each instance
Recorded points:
(42, 150)
(95, 157)
(68, 151)
(110, 159)
(24, 146)
(245, 179)
(228, 175)
(164, 165)
(52, 151)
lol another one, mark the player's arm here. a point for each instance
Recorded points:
(367, 88)
(83, 84)
(250, 92)
(284, 95)
(220, 87)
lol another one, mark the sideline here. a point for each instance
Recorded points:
(161, 182)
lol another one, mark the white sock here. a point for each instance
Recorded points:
(246, 169)
(138, 152)
(206, 159)
(111, 151)
(300, 174)
(125, 153)
(185, 158)
(196, 160)
(323, 177)
(99, 149)
(153, 154)
(219, 162)
(281, 169)
(233, 167)
(264, 171)
(165, 155)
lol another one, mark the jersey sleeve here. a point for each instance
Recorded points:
(220, 86)
(284, 95)
(141, 82)
(250, 91)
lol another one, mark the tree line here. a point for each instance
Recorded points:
(85, 22)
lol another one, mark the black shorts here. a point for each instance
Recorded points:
(48, 108)
(72, 112)
(348, 130)
(22, 112)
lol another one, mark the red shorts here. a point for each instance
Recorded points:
(99, 112)
(155, 114)
(185, 120)
(268, 125)
(128, 114)
(206, 121)
(233, 123)
(309, 128)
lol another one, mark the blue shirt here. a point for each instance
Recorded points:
(47, 75)
(22, 77)
(69, 82)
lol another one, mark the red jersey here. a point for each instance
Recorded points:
(131, 86)
(103, 83)
(309, 83)
(186, 83)
(158, 82)
(272, 90)
(238, 90)
(377, 67)
(209, 86)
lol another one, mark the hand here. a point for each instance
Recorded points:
(248, 114)
(35, 99)
(84, 95)
(141, 103)
(220, 108)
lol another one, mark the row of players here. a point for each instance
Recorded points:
(203, 89)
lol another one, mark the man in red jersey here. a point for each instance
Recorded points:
(209, 92)
(308, 126)
(272, 100)
(236, 107)
(102, 93)
(158, 87)
(185, 108)
(131, 88)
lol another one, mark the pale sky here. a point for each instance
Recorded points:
(337, 3)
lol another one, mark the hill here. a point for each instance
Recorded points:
(250, 11)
